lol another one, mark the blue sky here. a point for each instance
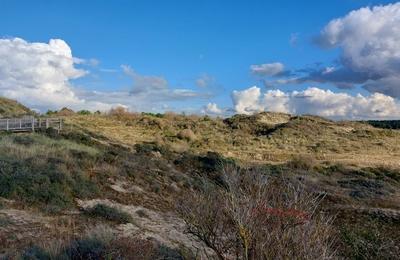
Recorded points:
(183, 41)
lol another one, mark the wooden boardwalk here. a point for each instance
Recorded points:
(29, 124)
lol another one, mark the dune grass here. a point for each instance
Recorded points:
(266, 137)
(44, 171)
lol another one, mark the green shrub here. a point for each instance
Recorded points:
(51, 112)
(109, 213)
(367, 242)
(164, 252)
(209, 165)
(84, 112)
(5, 221)
(35, 253)
(384, 172)
(45, 172)
(52, 133)
(79, 137)
(24, 140)
(89, 248)
(146, 148)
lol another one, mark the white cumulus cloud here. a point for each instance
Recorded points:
(213, 109)
(318, 102)
(370, 42)
(247, 101)
(39, 74)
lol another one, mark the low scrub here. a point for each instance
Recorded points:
(255, 217)
(109, 213)
(302, 162)
(187, 134)
(46, 172)
(368, 241)
(101, 243)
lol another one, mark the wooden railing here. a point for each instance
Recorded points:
(29, 124)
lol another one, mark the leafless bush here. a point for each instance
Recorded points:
(255, 217)
(121, 113)
(207, 220)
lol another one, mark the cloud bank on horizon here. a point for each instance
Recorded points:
(369, 43)
(317, 102)
(42, 76)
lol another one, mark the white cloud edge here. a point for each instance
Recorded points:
(317, 101)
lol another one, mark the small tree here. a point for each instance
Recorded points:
(256, 217)
(84, 112)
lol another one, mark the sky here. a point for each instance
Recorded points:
(339, 59)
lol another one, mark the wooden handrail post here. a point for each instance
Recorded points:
(33, 124)
(20, 123)
(47, 123)
(7, 124)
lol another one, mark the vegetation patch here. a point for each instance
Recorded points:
(386, 124)
(187, 134)
(154, 161)
(368, 241)
(101, 243)
(45, 172)
(254, 217)
(11, 108)
(35, 252)
(365, 188)
(109, 213)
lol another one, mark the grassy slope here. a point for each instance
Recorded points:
(262, 138)
(152, 164)
(11, 108)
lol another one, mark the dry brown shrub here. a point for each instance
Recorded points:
(254, 217)
(193, 117)
(302, 162)
(66, 112)
(187, 134)
(121, 113)
(170, 115)
(153, 122)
